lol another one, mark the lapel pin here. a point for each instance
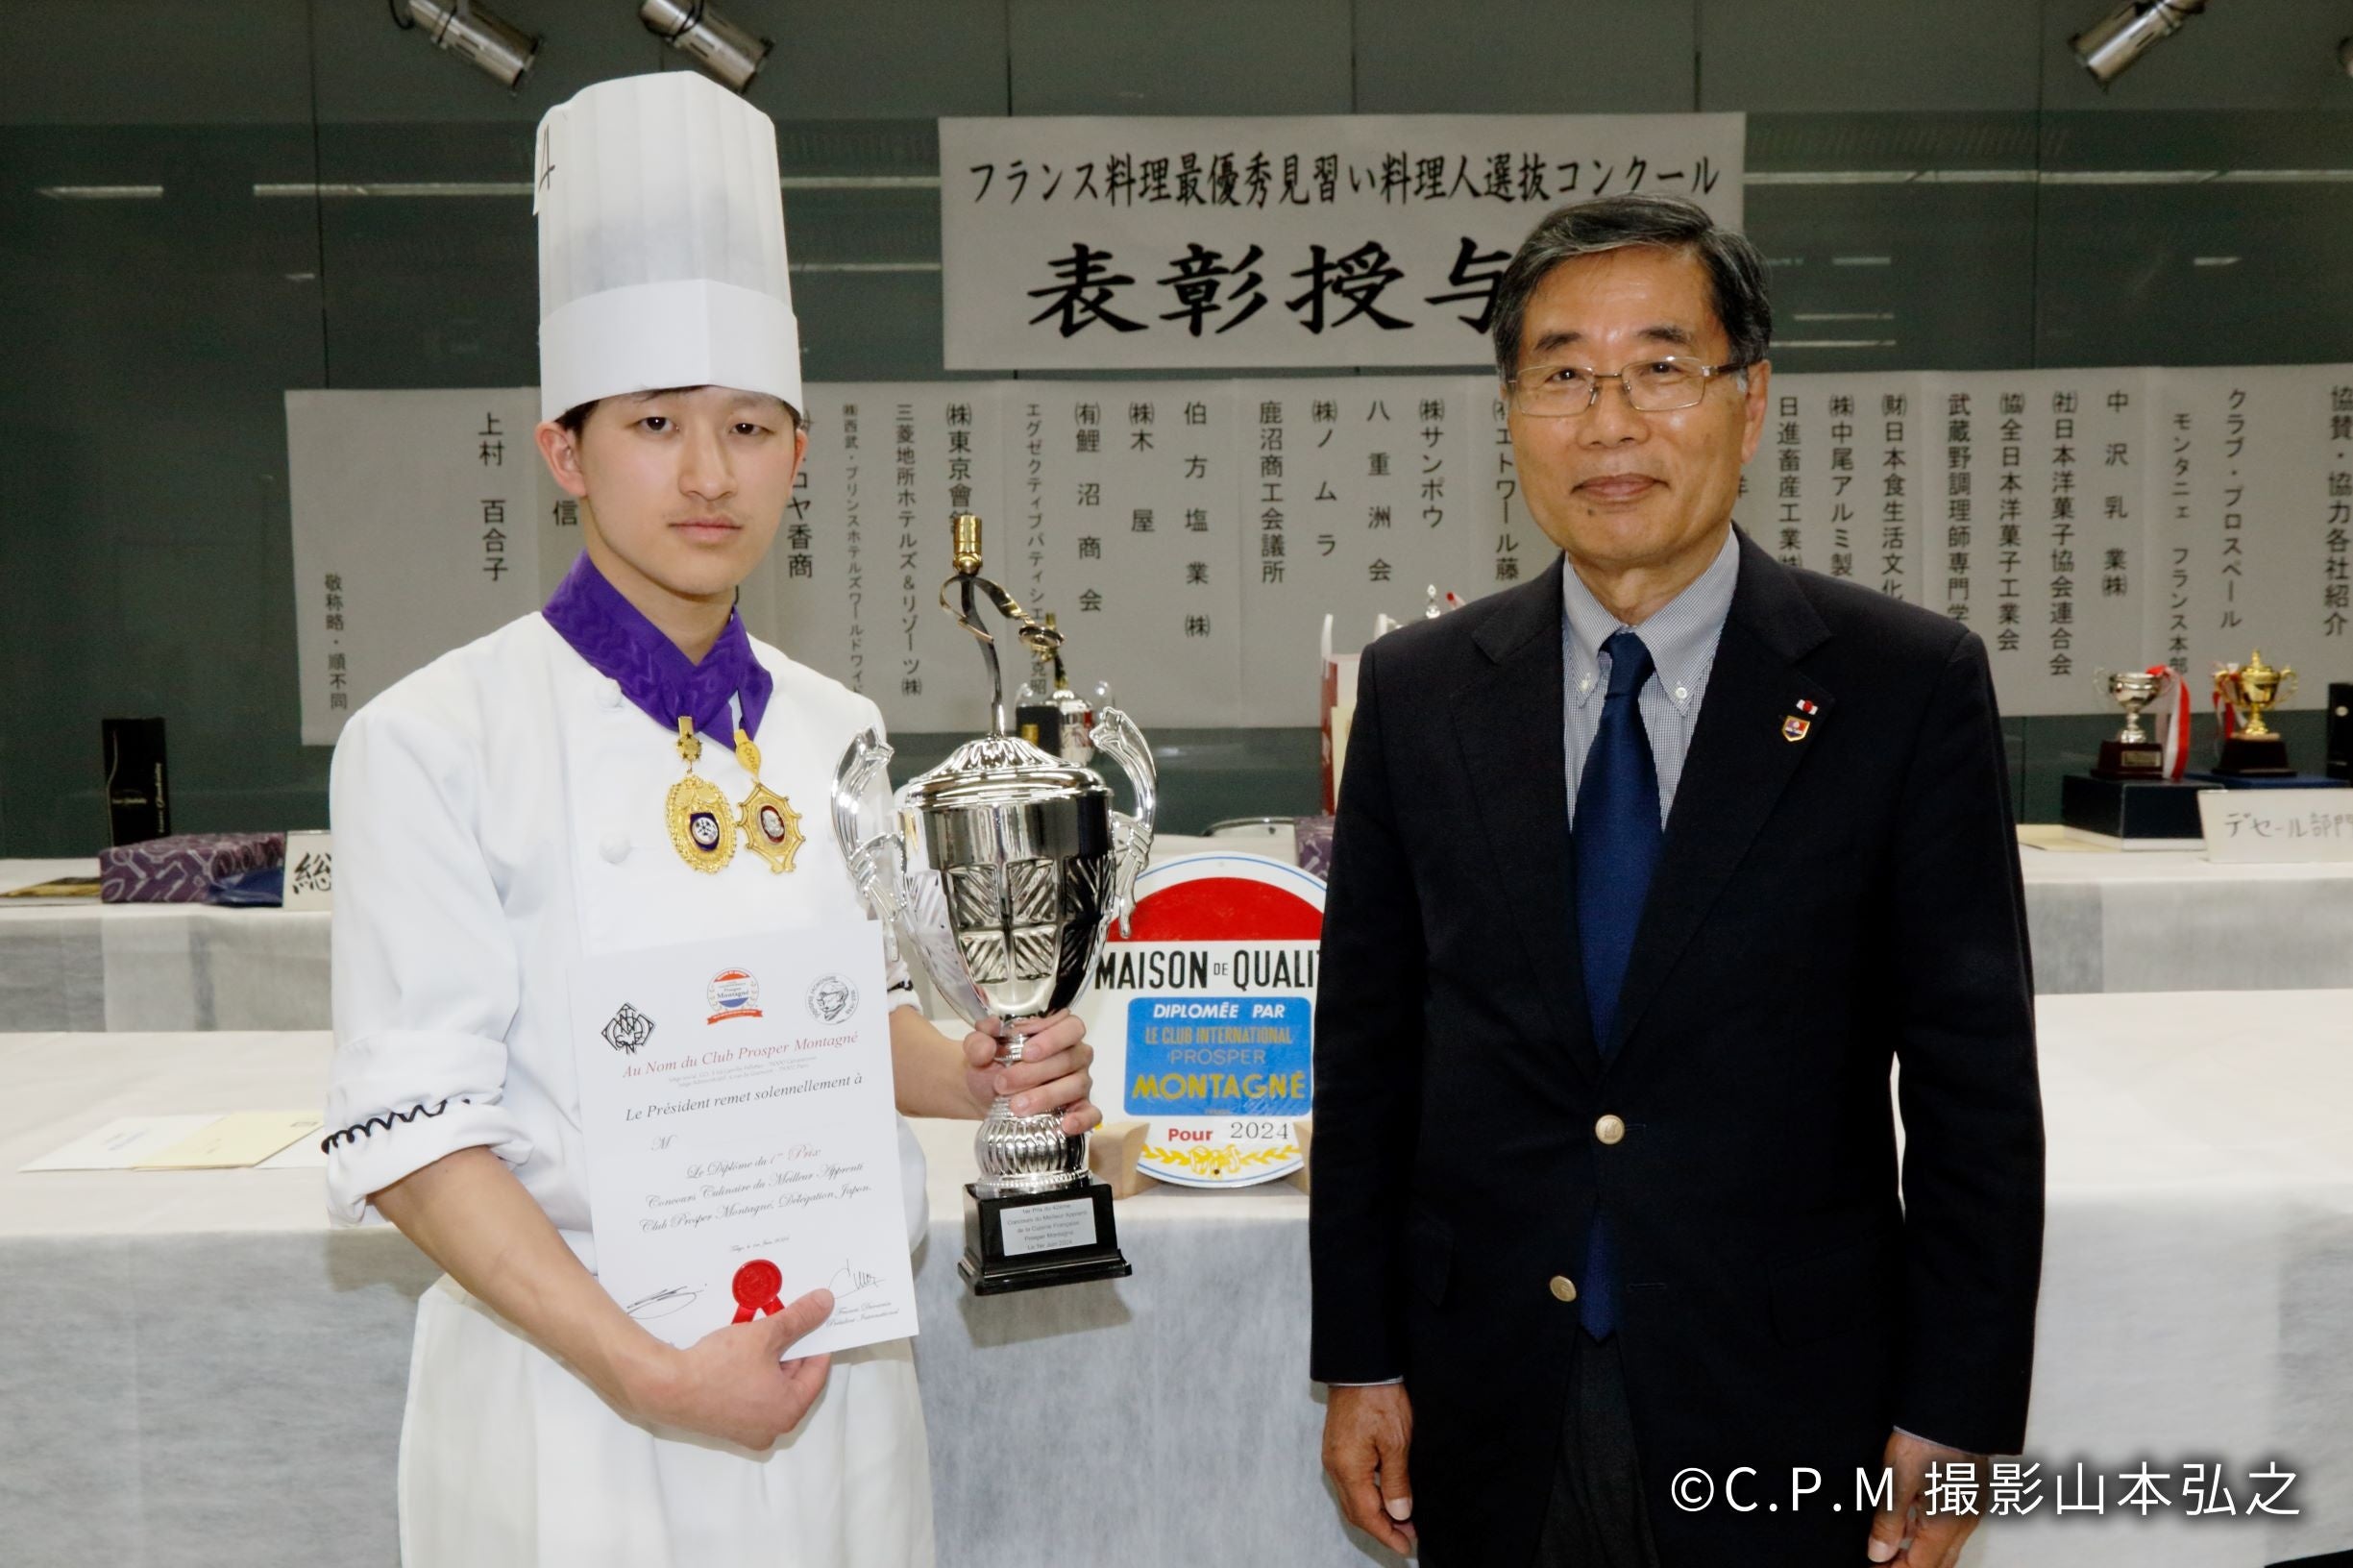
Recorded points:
(1794, 729)
(1806, 708)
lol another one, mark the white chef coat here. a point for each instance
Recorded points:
(498, 818)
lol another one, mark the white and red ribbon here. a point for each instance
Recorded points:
(2177, 731)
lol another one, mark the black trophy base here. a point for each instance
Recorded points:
(2129, 759)
(1027, 1240)
(2254, 756)
(2268, 781)
(2129, 809)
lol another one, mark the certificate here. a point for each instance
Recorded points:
(735, 1099)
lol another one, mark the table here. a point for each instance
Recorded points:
(199, 1370)
(2098, 922)
(177, 966)
(2169, 919)
(132, 966)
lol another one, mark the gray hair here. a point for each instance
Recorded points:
(1735, 272)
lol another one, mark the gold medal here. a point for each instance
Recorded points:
(702, 822)
(771, 827)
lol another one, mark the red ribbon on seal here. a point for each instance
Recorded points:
(756, 1284)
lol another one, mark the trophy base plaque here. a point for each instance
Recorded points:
(2254, 756)
(2130, 759)
(1024, 1240)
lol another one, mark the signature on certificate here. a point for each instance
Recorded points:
(662, 1303)
(848, 1280)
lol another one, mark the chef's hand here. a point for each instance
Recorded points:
(1052, 1070)
(734, 1383)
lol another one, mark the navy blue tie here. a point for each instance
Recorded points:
(1615, 842)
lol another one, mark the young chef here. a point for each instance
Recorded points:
(578, 783)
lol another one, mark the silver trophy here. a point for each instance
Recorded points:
(1000, 871)
(2133, 754)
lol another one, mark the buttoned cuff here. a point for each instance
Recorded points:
(404, 1099)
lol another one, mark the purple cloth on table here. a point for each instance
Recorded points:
(1314, 834)
(619, 643)
(184, 869)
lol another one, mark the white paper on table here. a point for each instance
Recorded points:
(239, 1141)
(122, 1144)
(302, 1154)
(736, 1099)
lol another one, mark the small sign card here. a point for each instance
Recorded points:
(311, 870)
(2253, 827)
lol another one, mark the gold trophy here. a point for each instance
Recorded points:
(2252, 689)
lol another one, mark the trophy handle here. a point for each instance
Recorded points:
(1117, 736)
(874, 863)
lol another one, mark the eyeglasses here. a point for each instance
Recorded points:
(1652, 386)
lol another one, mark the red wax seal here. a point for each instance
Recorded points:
(755, 1289)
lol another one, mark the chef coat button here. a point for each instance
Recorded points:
(612, 694)
(1563, 1288)
(1609, 1129)
(615, 846)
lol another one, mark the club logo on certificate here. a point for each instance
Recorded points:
(733, 993)
(629, 1030)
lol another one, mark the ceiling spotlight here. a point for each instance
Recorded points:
(469, 32)
(723, 50)
(2109, 46)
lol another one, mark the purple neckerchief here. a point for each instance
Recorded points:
(617, 640)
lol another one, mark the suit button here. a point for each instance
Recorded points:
(615, 846)
(1563, 1290)
(1609, 1129)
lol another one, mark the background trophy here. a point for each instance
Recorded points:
(1001, 871)
(2129, 800)
(2132, 753)
(1048, 713)
(2251, 689)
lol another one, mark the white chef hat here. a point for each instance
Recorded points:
(661, 244)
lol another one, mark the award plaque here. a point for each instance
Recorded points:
(2251, 690)
(2133, 754)
(1001, 871)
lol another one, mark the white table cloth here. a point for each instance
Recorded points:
(155, 967)
(195, 1369)
(2098, 922)
(2169, 919)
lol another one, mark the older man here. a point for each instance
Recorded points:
(1646, 872)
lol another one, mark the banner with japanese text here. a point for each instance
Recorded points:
(1155, 243)
(1192, 534)
(422, 521)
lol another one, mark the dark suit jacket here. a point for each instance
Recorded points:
(1820, 907)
